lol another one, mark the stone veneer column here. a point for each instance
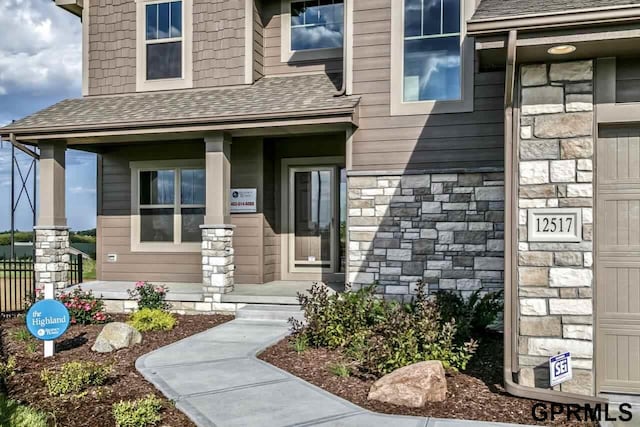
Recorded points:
(51, 245)
(555, 170)
(52, 257)
(217, 261)
(446, 229)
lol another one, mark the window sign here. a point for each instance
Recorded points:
(555, 225)
(243, 200)
(560, 369)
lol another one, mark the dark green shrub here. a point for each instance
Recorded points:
(152, 320)
(75, 377)
(380, 336)
(138, 413)
(473, 315)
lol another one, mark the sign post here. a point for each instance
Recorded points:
(47, 320)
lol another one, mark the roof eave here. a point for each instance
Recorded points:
(341, 115)
(71, 6)
(586, 17)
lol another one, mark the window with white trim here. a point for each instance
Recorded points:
(164, 44)
(432, 50)
(163, 40)
(169, 204)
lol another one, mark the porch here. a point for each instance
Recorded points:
(189, 298)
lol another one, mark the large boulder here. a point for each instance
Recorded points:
(115, 336)
(412, 386)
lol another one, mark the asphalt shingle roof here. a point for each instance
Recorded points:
(491, 9)
(271, 96)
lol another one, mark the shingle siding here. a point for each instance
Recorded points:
(112, 47)
(218, 42)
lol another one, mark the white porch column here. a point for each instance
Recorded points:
(217, 231)
(51, 232)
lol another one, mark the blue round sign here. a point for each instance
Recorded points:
(47, 319)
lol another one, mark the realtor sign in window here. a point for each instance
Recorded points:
(555, 225)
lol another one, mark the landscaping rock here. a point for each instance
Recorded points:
(115, 336)
(412, 386)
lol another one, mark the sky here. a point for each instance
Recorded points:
(41, 64)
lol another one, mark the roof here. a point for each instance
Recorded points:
(497, 9)
(268, 98)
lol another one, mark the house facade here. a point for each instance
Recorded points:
(473, 145)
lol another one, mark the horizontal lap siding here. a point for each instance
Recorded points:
(273, 64)
(438, 141)
(115, 219)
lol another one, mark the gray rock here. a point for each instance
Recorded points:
(115, 336)
(412, 386)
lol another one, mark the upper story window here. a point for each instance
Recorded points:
(431, 50)
(164, 44)
(163, 40)
(431, 58)
(317, 24)
(312, 29)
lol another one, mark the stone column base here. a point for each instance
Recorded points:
(51, 264)
(217, 261)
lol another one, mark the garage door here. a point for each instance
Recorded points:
(617, 260)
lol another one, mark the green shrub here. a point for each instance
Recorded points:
(152, 320)
(150, 296)
(84, 308)
(138, 413)
(473, 315)
(8, 368)
(22, 334)
(340, 370)
(381, 336)
(300, 343)
(14, 415)
(74, 377)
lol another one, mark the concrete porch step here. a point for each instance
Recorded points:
(269, 312)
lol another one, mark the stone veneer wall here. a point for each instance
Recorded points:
(52, 257)
(555, 170)
(445, 229)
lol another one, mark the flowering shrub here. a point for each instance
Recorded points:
(84, 308)
(150, 296)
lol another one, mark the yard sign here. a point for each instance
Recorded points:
(47, 320)
(560, 369)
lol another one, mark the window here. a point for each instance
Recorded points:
(164, 48)
(431, 50)
(168, 205)
(317, 24)
(312, 29)
(163, 40)
(432, 60)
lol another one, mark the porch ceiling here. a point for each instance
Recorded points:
(271, 101)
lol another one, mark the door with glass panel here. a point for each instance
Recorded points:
(312, 219)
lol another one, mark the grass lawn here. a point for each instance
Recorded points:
(92, 406)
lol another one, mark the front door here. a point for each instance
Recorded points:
(312, 219)
(617, 260)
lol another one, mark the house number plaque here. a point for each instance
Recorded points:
(555, 225)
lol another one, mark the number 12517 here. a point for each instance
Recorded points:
(554, 224)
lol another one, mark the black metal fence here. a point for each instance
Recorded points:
(18, 283)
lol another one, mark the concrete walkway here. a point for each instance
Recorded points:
(215, 378)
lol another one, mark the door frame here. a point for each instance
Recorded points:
(288, 272)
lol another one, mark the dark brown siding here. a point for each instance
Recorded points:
(627, 79)
(438, 141)
(114, 221)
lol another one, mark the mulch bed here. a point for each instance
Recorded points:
(93, 408)
(476, 394)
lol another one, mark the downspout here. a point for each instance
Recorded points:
(345, 37)
(511, 245)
